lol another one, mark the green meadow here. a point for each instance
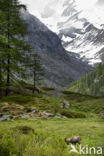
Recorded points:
(46, 136)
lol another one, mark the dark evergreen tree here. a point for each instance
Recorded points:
(12, 44)
(2, 47)
(92, 84)
(36, 69)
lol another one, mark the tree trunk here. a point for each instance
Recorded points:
(8, 60)
(0, 82)
(8, 77)
(34, 84)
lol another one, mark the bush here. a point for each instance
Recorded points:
(25, 129)
(7, 144)
(15, 143)
(71, 114)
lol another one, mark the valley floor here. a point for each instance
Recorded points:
(48, 136)
(40, 135)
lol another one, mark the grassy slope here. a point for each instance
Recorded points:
(41, 102)
(85, 103)
(91, 84)
(78, 102)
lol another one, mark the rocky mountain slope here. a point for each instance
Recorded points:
(61, 67)
(92, 84)
(78, 34)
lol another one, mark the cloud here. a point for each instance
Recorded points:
(100, 2)
(35, 6)
(48, 12)
(85, 4)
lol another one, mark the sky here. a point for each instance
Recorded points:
(49, 11)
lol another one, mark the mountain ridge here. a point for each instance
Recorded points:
(85, 38)
(77, 33)
(61, 67)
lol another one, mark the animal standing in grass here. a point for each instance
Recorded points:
(73, 140)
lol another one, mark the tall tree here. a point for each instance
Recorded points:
(13, 30)
(36, 69)
(2, 47)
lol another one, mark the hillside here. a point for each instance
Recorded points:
(78, 33)
(51, 100)
(92, 84)
(61, 68)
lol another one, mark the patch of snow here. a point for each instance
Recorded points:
(87, 51)
(94, 61)
(66, 39)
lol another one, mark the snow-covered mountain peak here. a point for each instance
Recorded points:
(79, 24)
(59, 11)
(79, 35)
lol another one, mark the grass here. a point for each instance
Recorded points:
(47, 135)
(72, 114)
(85, 103)
(43, 103)
(78, 103)
(41, 137)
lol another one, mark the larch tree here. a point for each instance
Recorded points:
(36, 69)
(13, 46)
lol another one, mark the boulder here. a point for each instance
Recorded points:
(25, 116)
(57, 115)
(102, 114)
(65, 104)
(16, 117)
(5, 108)
(49, 114)
(45, 114)
(6, 104)
(19, 107)
(35, 111)
(6, 117)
